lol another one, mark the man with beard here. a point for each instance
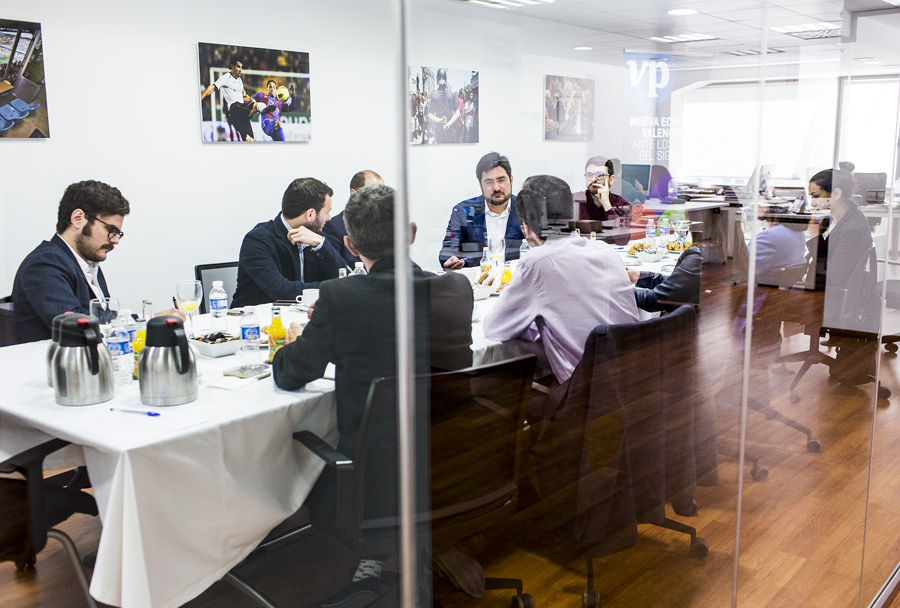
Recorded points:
(63, 274)
(282, 257)
(475, 221)
(443, 111)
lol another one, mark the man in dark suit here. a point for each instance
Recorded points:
(334, 230)
(282, 257)
(353, 326)
(476, 220)
(63, 274)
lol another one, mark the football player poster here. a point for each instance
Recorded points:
(249, 94)
(443, 105)
(23, 97)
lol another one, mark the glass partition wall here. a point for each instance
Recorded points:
(733, 452)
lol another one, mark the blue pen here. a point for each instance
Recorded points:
(123, 410)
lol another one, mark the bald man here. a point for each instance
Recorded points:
(334, 230)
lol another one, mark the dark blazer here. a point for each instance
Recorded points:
(49, 282)
(467, 225)
(269, 266)
(335, 231)
(353, 327)
(683, 285)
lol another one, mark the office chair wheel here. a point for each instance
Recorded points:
(522, 600)
(883, 392)
(26, 564)
(590, 598)
(758, 473)
(795, 397)
(891, 347)
(813, 445)
(699, 548)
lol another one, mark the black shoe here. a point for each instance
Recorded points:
(269, 109)
(357, 594)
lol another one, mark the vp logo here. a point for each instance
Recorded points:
(656, 73)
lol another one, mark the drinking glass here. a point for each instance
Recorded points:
(189, 294)
(498, 248)
(681, 231)
(105, 310)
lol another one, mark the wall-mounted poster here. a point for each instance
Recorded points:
(251, 94)
(443, 106)
(23, 97)
(568, 108)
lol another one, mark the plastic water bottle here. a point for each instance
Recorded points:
(524, 248)
(119, 346)
(359, 268)
(249, 339)
(664, 230)
(146, 310)
(129, 324)
(673, 189)
(650, 232)
(218, 305)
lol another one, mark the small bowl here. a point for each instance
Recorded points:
(222, 349)
(648, 255)
(482, 293)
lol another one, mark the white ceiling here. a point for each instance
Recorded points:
(609, 26)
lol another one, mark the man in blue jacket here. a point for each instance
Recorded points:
(63, 274)
(282, 257)
(476, 220)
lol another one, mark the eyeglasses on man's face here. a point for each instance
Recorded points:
(112, 231)
(489, 183)
(601, 175)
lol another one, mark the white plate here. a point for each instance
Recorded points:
(631, 262)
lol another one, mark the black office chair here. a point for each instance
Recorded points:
(223, 271)
(33, 505)
(470, 445)
(631, 433)
(850, 321)
(7, 322)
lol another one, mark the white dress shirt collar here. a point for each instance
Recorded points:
(90, 270)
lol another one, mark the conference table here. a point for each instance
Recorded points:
(185, 496)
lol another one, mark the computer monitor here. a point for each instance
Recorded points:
(638, 173)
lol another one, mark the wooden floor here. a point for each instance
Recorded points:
(803, 530)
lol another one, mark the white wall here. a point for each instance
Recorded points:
(123, 97)
(123, 88)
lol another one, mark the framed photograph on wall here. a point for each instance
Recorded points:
(249, 94)
(23, 96)
(443, 106)
(568, 108)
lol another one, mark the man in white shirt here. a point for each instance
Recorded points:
(240, 107)
(563, 288)
(478, 221)
(63, 274)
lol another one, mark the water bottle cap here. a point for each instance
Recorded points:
(217, 284)
(358, 265)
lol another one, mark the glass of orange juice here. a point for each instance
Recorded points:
(189, 294)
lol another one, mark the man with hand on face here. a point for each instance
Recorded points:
(597, 202)
(477, 221)
(282, 257)
(63, 274)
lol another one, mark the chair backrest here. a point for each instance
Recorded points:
(223, 271)
(469, 452)
(7, 322)
(632, 433)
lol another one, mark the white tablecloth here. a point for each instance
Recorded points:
(185, 496)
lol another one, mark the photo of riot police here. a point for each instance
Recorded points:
(443, 106)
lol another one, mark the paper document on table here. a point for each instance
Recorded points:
(232, 383)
